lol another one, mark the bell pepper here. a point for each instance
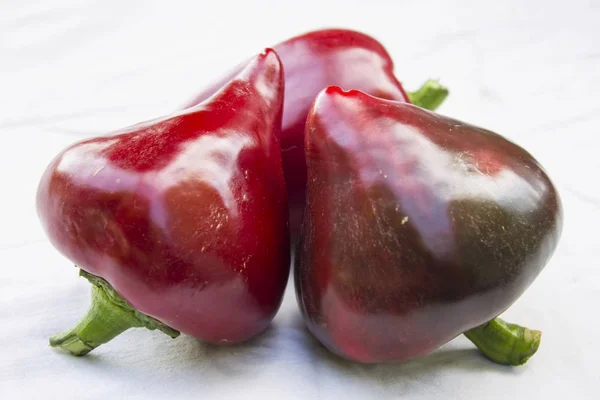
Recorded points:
(312, 62)
(179, 223)
(418, 228)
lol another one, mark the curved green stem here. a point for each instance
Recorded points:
(108, 316)
(505, 343)
(429, 96)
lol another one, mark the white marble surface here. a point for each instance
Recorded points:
(73, 69)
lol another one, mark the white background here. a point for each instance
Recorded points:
(72, 69)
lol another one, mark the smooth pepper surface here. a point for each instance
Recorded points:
(417, 227)
(313, 61)
(184, 216)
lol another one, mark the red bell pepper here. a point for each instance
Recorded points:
(318, 59)
(417, 228)
(180, 223)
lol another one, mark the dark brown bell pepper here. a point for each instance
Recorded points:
(418, 228)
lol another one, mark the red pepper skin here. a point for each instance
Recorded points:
(311, 62)
(417, 227)
(185, 216)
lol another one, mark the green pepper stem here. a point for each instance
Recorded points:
(429, 96)
(505, 343)
(108, 316)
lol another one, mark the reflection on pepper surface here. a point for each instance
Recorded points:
(417, 227)
(311, 62)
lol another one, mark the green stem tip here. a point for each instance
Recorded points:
(505, 343)
(429, 96)
(109, 316)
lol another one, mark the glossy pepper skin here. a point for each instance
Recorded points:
(417, 227)
(184, 216)
(312, 62)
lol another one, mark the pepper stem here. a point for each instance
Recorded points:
(505, 343)
(429, 96)
(108, 316)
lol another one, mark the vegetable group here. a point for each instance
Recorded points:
(417, 228)
(180, 223)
